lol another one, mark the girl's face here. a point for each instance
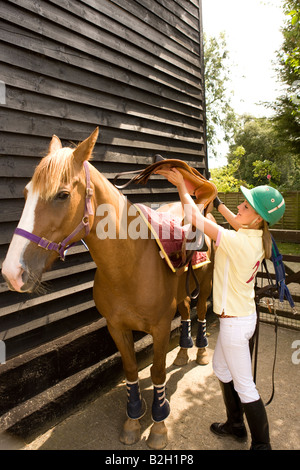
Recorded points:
(247, 215)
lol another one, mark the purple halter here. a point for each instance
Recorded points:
(61, 247)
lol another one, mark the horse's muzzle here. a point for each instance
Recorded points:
(20, 281)
(29, 285)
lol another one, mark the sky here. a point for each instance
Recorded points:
(253, 36)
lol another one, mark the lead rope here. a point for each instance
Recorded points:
(275, 350)
(276, 321)
(258, 301)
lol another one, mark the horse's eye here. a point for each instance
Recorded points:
(62, 196)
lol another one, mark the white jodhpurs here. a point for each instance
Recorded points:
(232, 360)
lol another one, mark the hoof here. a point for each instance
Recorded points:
(182, 358)
(158, 437)
(202, 357)
(131, 432)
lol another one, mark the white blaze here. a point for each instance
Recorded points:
(13, 265)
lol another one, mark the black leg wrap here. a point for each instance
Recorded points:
(201, 340)
(160, 405)
(136, 407)
(186, 340)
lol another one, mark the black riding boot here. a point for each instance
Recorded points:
(258, 424)
(234, 425)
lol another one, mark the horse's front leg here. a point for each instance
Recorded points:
(131, 432)
(158, 437)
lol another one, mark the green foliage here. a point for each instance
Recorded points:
(262, 150)
(220, 115)
(289, 248)
(287, 106)
(266, 170)
(291, 34)
(261, 156)
(225, 179)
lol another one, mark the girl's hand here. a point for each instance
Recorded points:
(173, 176)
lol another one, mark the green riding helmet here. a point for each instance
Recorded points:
(266, 201)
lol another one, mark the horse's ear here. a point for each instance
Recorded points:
(55, 144)
(84, 150)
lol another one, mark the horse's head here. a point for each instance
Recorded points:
(54, 207)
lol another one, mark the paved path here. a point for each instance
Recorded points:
(195, 400)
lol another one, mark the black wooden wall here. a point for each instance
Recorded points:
(132, 67)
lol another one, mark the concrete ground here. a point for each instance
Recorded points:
(195, 400)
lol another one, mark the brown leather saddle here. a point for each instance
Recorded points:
(204, 191)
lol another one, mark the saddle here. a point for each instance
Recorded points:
(203, 190)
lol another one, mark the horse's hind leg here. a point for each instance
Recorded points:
(131, 431)
(205, 280)
(185, 340)
(201, 339)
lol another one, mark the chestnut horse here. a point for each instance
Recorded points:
(134, 289)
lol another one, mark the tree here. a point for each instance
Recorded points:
(220, 116)
(287, 106)
(225, 178)
(267, 150)
(264, 153)
(266, 170)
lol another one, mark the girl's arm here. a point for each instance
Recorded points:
(192, 213)
(229, 216)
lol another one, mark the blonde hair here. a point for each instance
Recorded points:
(266, 238)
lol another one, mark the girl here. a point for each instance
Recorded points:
(237, 260)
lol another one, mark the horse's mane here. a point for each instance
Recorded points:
(53, 171)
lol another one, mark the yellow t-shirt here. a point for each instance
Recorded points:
(237, 261)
